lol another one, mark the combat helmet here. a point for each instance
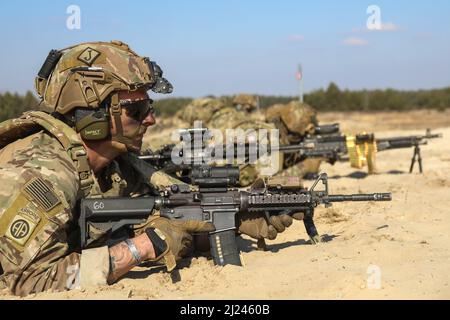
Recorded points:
(298, 117)
(86, 75)
(245, 102)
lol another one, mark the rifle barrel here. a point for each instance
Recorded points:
(152, 157)
(398, 143)
(360, 197)
(412, 139)
(292, 148)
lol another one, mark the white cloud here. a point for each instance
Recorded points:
(352, 41)
(296, 37)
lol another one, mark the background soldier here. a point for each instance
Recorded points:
(294, 121)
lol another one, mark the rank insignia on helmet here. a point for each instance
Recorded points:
(88, 55)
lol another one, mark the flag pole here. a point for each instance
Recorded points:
(300, 79)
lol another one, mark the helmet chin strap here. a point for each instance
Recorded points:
(119, 136)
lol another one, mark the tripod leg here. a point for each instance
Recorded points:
(420, 159)
(413, 160)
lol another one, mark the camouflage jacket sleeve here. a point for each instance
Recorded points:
(122, 179)
(38, 192)
(161, 180)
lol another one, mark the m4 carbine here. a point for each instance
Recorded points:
(214, 201)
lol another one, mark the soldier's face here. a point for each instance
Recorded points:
(136, 117)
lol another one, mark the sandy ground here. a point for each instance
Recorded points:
(387, 250)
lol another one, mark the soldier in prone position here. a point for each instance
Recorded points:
(94, 112)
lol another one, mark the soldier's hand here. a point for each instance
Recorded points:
(177, 236)
(257, 226)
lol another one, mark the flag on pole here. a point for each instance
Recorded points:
(299, 73)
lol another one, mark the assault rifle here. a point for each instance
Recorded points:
(216, 201)
(197, 154)
(162, 159)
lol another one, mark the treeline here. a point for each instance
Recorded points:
(329, 99)
(335, 99)
(12, 105)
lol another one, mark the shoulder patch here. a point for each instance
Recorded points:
(38, 191)
(88, 55)
(20, 229)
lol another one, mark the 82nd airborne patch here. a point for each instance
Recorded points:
(20, 229)
(88, 56)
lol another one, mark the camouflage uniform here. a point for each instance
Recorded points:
(44, 170)
(38, 215)
(40, 188)
(209, 110)
(201, 109)
(294, 120)
(228, 117)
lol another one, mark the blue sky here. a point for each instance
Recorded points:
(226, 47)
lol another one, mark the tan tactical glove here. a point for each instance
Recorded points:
(177, 237)
(257, 226)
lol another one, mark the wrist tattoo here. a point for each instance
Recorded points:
(112, 263)
(121, 261)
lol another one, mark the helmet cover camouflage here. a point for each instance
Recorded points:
(245, 102)
(87, 73)
(297, 117)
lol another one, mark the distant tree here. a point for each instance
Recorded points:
(12, 105)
